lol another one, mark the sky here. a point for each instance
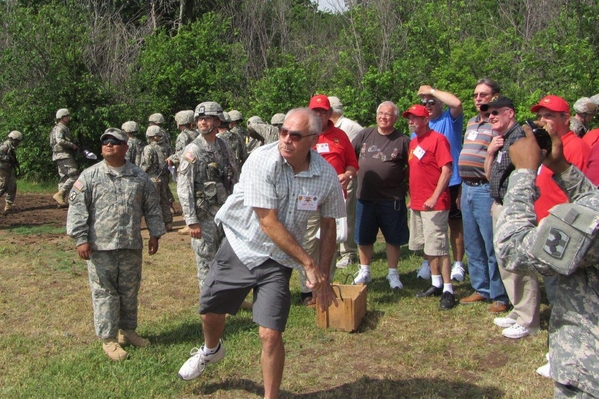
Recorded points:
(330, 5)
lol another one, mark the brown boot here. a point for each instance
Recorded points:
(184, 231)
(7, 207)
(59, 197)
(113, 350)
(131, 337)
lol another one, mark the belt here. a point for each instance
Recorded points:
(476, 182)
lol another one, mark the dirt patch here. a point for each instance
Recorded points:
(34, 210)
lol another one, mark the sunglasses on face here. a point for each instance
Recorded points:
(430, 102)
(494, 113)
(295, 136)
(111, 141)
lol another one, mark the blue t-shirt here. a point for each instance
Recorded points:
(452, 129)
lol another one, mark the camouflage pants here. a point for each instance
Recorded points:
(8, 185)
(566, 391)
(161, 186)
(68, 172)
(205, 248)
(114, 279)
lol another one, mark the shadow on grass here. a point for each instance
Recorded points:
(367, 387)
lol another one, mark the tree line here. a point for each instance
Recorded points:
(118, 60)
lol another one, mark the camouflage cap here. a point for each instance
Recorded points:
(153, 131)
(209, 108)
(254, 120)
(130, 127)
(235, 116)
(277, 119)
(225, 117)
(184, 117)
(585, 105)
(15, 135)
(114, 132)
(156, 118)
(61, 113)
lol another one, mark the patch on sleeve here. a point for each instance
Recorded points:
(73, 195)
(79, 185)
(190, 156)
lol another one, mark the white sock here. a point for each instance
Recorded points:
(437, 281)
(209, 351)
(365, 268)
(392, 271)
(448, 288)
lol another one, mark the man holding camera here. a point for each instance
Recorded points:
(563, 243)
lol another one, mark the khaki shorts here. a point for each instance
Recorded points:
(428, 231)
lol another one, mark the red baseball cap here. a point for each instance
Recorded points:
(552, 103)
(320, 101)
(416, 110)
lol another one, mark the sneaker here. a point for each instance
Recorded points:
(125, 337)
(515, 331)
(504, 322)
(545, 370)
(113, 350)
(394, 281)
(447, 301)
(194, 366)
(457, 271)
(345, 261)
(362, 277)
(425, 271)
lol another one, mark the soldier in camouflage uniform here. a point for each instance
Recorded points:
(136, 146)
(277, 120)
(157, 119)
(205, 179)
(235, 125)
(154, 163)
(565, 243)
(261, 133)
(107, 203)
(9, 165)
(184, 120)
(235, 141)
(63, 153)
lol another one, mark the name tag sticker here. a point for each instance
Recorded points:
(472, 135)
(322, 148)
(307, 203)
(499, 156)
(419, 152)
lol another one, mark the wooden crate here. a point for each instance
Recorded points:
(351, 310)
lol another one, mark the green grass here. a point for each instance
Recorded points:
(26, 186)
(406, 347)
(37, 230)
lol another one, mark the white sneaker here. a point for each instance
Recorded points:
(362, 277)
(516, 331)
(504, 322)
(545, 370)
(457, 271)
(345, 261)
(425, 271)
(394, 281)
(194, 366)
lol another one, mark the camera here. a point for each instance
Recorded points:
(543, 138)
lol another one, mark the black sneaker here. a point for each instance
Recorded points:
(431, 291)
(447, 301)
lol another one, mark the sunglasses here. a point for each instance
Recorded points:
(295, 136)
(111, 141)
(494, 113)
(428, 102)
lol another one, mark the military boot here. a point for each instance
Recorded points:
(59, 197)
(131, 337)
(7, 207)
(168, 226)
(113, 350)
(184, 231)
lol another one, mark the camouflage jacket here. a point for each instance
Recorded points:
(574, 324)
(184, 138)
(237, 145)
(8, 157)
(269, 133)
(62, 142)
(135, 151)
(153, 160)
(106, 208)
(206, 175)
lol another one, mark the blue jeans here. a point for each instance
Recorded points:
(478, 242)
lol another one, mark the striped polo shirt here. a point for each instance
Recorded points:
(477, 138)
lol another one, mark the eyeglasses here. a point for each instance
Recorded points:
(320, 111)
(481, 95)
(295, 136)
(385, 114)
(430, 102)
(495, 112)
(111, 141)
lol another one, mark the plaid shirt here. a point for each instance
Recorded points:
(502, 165)
(268, 181)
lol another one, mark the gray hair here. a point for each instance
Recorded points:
(314, 121)
(395, 107)
(491, 83)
